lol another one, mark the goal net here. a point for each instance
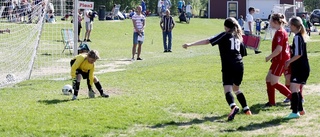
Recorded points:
(36, 40)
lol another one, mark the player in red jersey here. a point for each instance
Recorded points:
(280, 54)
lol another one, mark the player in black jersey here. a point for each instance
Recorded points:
(231, 52)
(299, 64)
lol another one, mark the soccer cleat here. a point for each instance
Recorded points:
(268, 104)
(233, 113)
(248, 112)
(302, 112)
(91, 94)
(74, 97)
(292, 116)
(287, 100)
(104, 95)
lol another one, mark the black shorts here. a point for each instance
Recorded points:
(299, 76)
(84, 75)
(232, 74)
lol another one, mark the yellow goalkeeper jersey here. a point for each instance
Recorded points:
(81, 62)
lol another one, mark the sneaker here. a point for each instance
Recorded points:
(268, 105)
(169, 51)
(104, 95)
(139, 59)
(287, 100)
(91, 94)
(292, 116)
(88, 40)
(165, 51)
(302, 112)
(257, 52)
(248, 112)
(233, 113)
(74, 97)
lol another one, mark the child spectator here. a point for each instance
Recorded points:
(258, 26)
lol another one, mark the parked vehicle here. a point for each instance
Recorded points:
(315, 16)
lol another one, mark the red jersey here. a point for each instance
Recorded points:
(281, 38)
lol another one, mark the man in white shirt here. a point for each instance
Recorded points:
(89, 24)
(248, 27)
(189, 11)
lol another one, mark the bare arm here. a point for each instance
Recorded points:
(250, 27)
(274, 53)
(201, 42)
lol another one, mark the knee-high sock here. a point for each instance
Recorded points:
(271, 93)
(99, 87)
(294, 102)
(76, 87)
(300, 105)
(230, 99)
(242, 100)
(283, 90)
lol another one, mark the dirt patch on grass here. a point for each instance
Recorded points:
(311, 89)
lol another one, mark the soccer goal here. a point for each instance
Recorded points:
(32, 40)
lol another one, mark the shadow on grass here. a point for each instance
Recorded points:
(53, 101)
(256, 126)
(256, 108)
(193, 121)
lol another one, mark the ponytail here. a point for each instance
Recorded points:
(234, 27)
(297, 22)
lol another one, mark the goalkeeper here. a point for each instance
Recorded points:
(82, 66)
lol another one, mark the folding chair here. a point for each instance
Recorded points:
(67, 38)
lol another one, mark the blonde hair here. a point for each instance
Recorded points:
(297, 22)
(234, 27)
(279, 18)
(93, 54)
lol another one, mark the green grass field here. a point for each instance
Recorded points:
(166, 94)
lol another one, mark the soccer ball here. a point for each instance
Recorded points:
(67, 89)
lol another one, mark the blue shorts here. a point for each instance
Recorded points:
(135, 38)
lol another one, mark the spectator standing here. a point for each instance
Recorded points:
(180, 6)
(160, 4)
(241, 21)
(89, 25)
(248, 26)
(79, 24)
(139, 22)
(144, 7)
(258, 26)
(189, 10)
(167, 24)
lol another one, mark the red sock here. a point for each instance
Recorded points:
(283, 90)
(271, 93)
(301, 87)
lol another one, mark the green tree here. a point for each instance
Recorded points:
(311, 4)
